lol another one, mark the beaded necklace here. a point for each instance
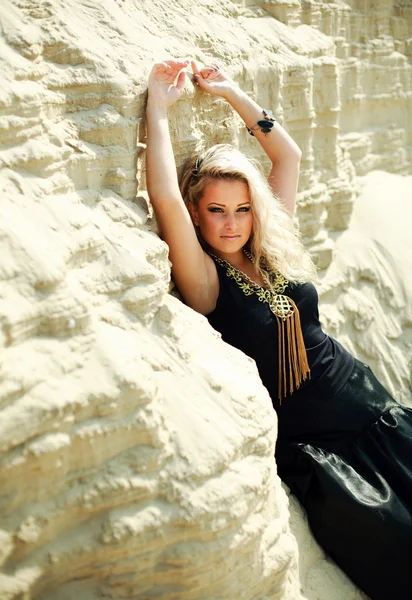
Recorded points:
(293, 365)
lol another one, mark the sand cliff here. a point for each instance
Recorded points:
(137, 448)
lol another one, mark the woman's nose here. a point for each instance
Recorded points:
(230, 222)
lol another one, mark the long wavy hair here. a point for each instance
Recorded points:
(275, 241)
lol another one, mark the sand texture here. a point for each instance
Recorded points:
(136, 447)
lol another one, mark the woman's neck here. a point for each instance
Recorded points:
(241, 262)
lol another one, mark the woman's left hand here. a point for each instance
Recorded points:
(213, 79)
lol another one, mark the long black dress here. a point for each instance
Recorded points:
(344, 444)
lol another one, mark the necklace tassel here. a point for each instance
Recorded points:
(292, 357)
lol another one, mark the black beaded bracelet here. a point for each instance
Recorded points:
(266, 125)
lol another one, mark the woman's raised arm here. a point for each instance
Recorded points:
(281, 149)
(193, 270)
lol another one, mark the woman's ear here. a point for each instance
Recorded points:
(194, 214)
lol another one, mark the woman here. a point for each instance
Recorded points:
(344, 445)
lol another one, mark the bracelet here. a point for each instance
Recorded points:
(266, 125)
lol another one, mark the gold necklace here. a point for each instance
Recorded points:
(272, 294)
(293, 366)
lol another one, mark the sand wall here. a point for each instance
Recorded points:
(137, 448)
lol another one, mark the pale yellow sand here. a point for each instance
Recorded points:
(367, 291)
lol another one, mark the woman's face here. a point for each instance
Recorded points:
(224, 216)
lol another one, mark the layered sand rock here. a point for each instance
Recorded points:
(137, 448)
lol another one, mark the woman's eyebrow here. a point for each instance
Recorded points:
(224, 205)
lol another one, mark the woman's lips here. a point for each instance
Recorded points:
(230, 237)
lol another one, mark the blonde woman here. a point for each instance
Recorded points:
(344, 445)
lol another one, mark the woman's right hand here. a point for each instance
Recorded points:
(166, 82)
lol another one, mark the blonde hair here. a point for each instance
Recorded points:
(275, 240)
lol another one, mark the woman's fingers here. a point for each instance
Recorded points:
(202, 70)
(210, 78)
(207, 72)
(197, 74)
(171, 70)
(180, 83)
(202, 82)
(171, 66)
(213, 75)
(179, 64)
(195, 68)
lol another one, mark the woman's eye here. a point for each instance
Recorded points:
(215, 209)
(244, 209)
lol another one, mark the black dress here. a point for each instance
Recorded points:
(344, 444)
